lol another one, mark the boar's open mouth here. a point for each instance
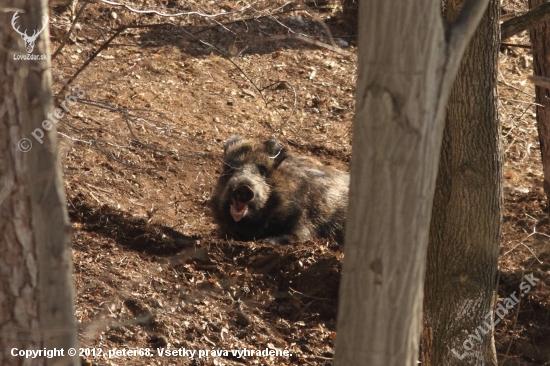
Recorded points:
(241, 197)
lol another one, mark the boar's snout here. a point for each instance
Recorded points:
(243, 194)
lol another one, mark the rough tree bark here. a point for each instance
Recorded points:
(540, 39)
(407, 62)
(36, 290)
(466, 217)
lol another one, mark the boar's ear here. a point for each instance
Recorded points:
(276, 151)
(231, 141)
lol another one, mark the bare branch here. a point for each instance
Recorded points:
(95, 143)
(540, 81)
(64, 41)
(300, 37)
(256, 17)
(526, 21)
(165, 14)
(141, 142)
(126, 116)
(11, 10)
(508, 44)
(105, 46)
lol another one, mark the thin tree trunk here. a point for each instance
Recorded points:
(466, 217)
(540, 39)
(36, 290)
(407, 63)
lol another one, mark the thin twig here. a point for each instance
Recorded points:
(285, 82)
(521, 101)
(96, 145)
(242, 72)
(126, 116)
(245, 20)
(540, 81)
(142, 143)
(73, 139)
(299, 37)
(105, 46)
(508, 44)
(105, 105)
(515, 88)
(64, 41)
(165, 14)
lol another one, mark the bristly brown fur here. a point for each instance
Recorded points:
(294, 198)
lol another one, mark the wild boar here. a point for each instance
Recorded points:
(267, 193)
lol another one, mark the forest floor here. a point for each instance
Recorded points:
(142, 151)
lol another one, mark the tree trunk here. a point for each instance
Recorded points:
(466, 218)
(407, 63)
(36, 290)
(540, 39)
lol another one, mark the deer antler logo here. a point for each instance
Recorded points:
(29, 40)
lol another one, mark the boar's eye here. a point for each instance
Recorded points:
(262, 169)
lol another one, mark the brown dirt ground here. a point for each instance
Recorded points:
(141, 154)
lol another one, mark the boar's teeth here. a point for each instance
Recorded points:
(238, 211)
